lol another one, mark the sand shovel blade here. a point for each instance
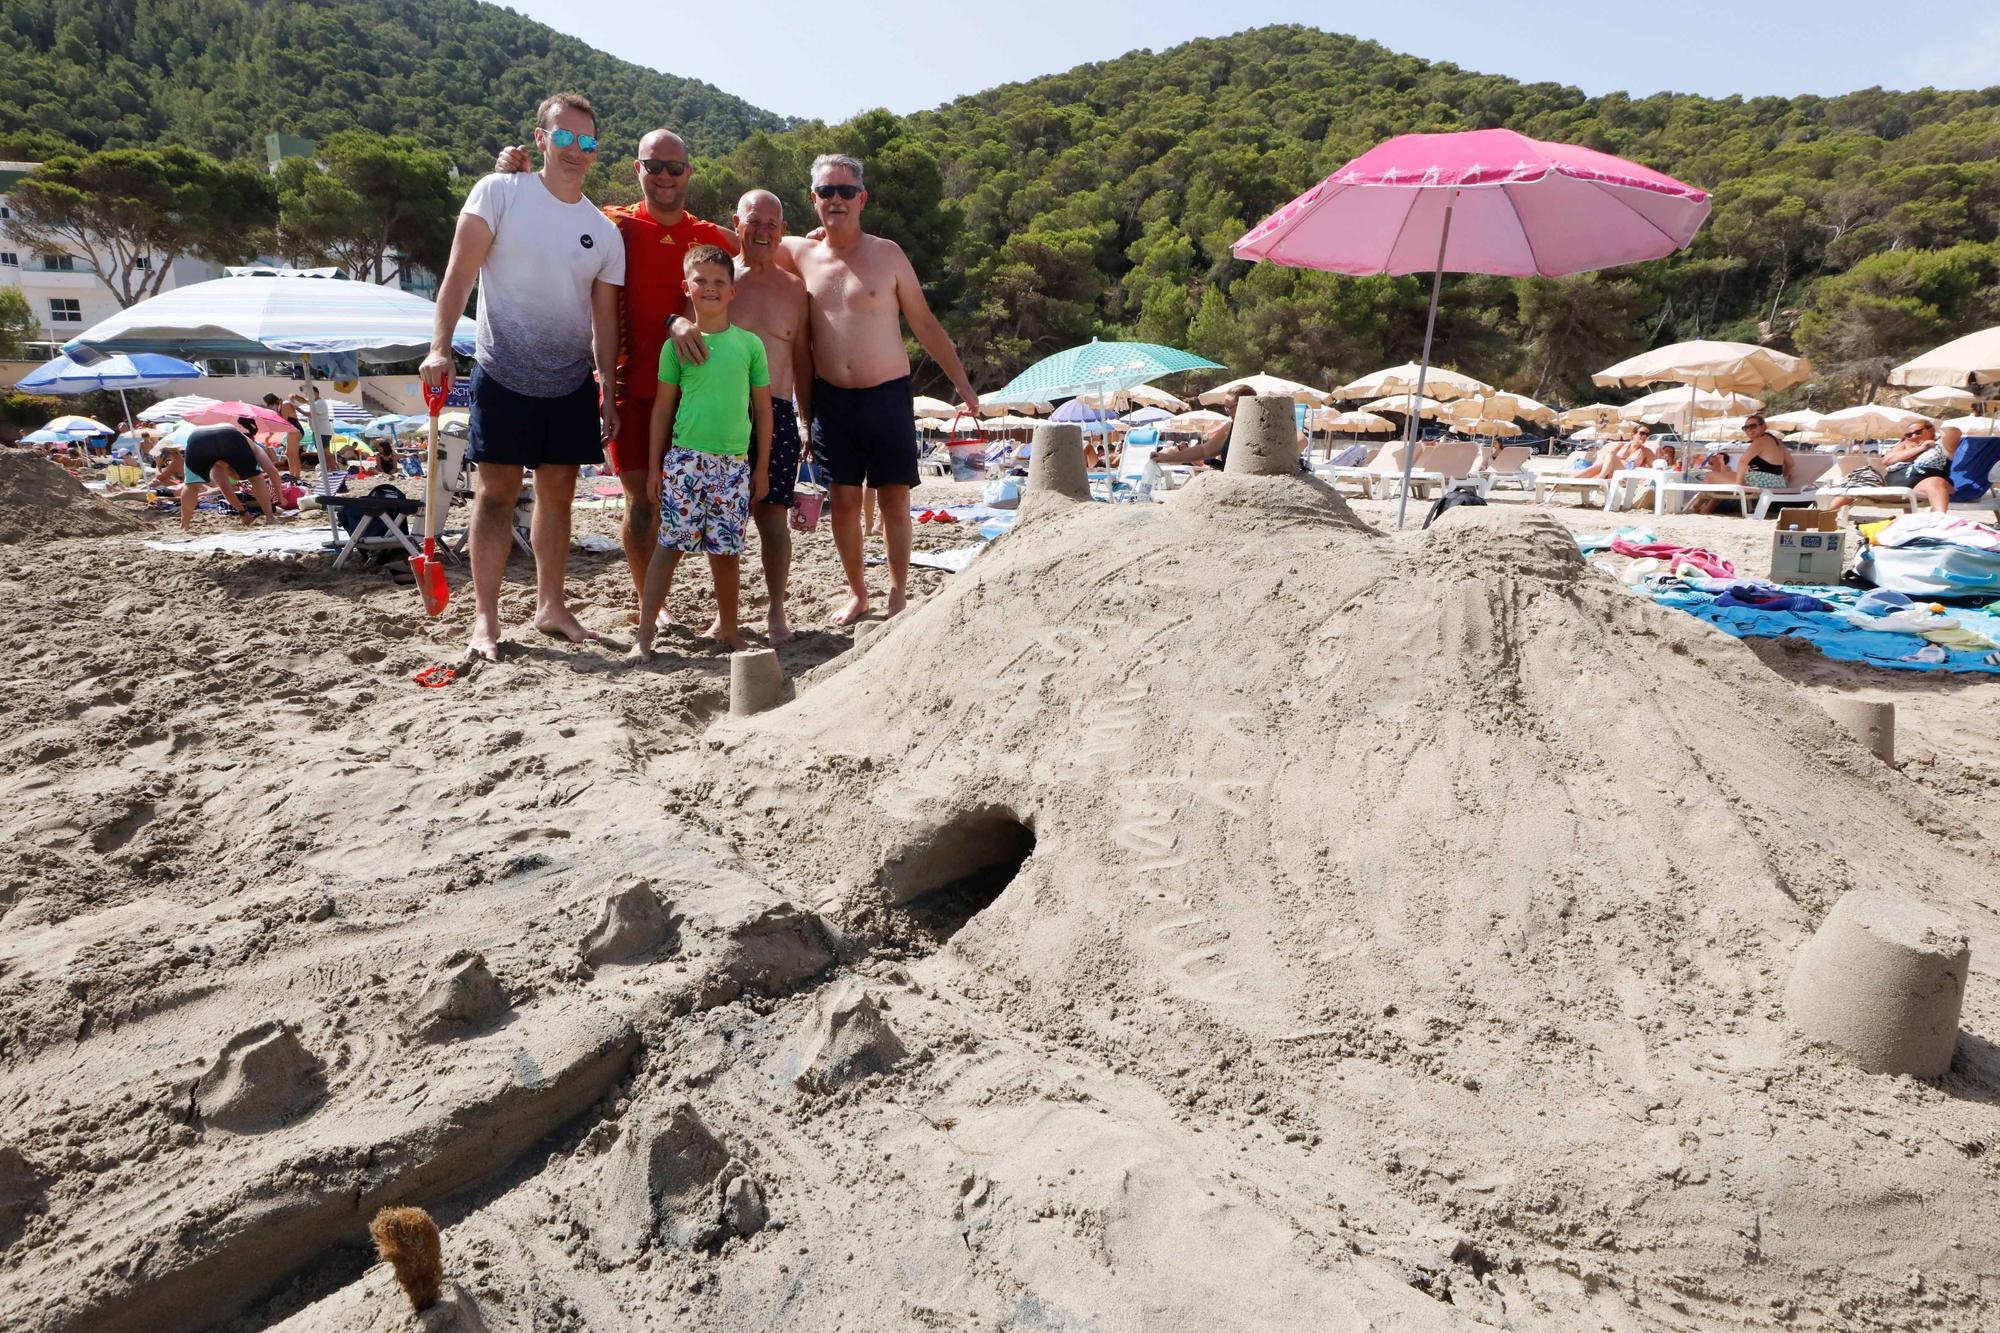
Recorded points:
(429, 571)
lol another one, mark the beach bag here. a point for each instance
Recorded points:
(1972, 467)
(808, 499)
(1005, 493)
(967, 452)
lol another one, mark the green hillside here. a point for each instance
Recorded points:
(220, 74)
(1104, 200)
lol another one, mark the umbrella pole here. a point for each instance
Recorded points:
(1423, 366)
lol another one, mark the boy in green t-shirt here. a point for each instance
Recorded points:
(704, 484)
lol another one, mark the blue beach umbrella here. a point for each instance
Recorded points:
(117, 373)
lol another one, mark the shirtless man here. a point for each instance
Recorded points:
(771, 303)
(857, 401)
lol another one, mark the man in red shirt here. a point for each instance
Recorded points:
(658, 233)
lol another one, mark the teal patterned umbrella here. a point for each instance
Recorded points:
(1096, 367)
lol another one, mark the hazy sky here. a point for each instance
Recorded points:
(831, 60)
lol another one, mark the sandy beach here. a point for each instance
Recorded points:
(1227, 914)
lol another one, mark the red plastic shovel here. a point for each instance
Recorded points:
(430, 573)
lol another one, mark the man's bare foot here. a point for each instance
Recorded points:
(732, 637)
(898, 599)
(775, 628)
(485, 642)
(642, 650)
(855, 608)
(558, 620)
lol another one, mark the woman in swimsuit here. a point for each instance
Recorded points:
(1766, 465)
(1920, 461)
(1630, 452)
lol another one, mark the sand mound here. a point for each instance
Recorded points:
(1446, 851)
(1218, 915)
(45, 503)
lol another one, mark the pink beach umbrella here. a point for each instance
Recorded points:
(1481, 201)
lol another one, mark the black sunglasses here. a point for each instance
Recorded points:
(653, 166)
(829, 191)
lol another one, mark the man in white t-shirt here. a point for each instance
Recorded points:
(549, 266)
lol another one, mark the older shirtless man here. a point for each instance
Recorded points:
(857, 402)
(771, 303)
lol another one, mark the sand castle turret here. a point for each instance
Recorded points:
(1883, 979)
(1264, 442)
(756, 681)
(1056, 466)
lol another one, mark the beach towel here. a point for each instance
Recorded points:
(1835, 632)
(1708, 562)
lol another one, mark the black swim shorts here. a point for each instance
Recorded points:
(523, 431)
(784, 471)
(865, 437)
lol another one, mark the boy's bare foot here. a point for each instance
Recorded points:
(775, 628)
(642, 650)
(856, 608)
(558, 620)
(732, 637)
(898, 599)
(485, 642)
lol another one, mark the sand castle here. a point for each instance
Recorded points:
(1213, 914)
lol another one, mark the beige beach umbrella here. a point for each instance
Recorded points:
(1402, 379)
(1139, 395)
(1590, 414)
(1680, 406)
(1426, 407)
(1499, 407)
(1800, 419)
(1939, 399)
(1350, 423)
(1265, 386)
(1721, 367)
(1960, 363)
(1870, 421)
(1146, 395)
(1199, 419)
(1490, 427)
(1973, 425)
(931, 423)
(926, 406)
(1718, 429)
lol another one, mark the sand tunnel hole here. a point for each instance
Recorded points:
(956, 870)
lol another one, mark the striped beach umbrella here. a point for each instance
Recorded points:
(257, 316)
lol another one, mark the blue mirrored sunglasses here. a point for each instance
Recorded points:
(564, 138)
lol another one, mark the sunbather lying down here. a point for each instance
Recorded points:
(1620, 455)
(224, 457)
(1921, 460)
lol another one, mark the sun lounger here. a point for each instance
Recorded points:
(1807, 470)
(455, 483)
(1448, 465)
(1509, 464)
(1547, 484)
(1384, 467)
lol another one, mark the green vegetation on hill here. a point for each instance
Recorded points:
(1104, 201)
(221, 74)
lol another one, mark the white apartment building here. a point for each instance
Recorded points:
(67, 296)
(62, 290)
